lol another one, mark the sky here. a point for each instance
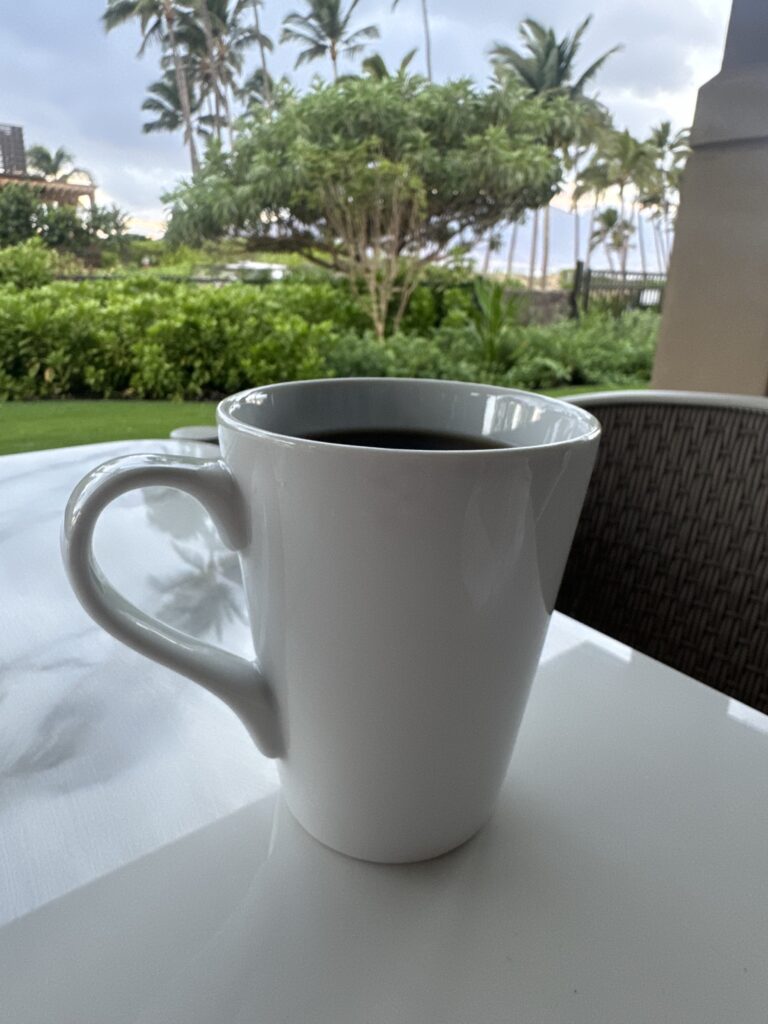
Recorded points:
(69, 84)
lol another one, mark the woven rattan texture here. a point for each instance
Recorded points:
(671, 552)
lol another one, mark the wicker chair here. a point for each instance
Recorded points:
(671, 552)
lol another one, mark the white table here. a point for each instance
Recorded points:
(149, 871)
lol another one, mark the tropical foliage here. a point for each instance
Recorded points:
(51, 166)
(215, 61)
(326, 30)
(373, 171)
(427, 36)
(140, 337)
(375, 179)
(82, 232)
(547, 68)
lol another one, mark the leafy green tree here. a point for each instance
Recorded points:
(63, 228)
(24, 215)
(374, 179)
(106, 223)
(20, 208)
(325, 31)
(427, 38)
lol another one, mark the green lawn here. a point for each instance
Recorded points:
(28, 426)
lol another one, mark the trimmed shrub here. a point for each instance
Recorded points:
(143, 337)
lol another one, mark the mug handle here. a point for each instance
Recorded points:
(236, 681)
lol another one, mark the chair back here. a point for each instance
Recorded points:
(671, 552)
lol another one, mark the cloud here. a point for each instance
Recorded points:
(70, 84)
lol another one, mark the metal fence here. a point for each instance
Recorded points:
(627, 290)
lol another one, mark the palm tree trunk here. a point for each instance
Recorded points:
(511, 252)
(534, 243)
(607, 250)
(657, 244)
(624, 251)
(181, 84)
(217, 109)
(545, 249)
(667, 244)
(590, 229)
(334, 61)
(222, 107)
(257, 25)
(427, 40)
(487, 258)
(623, 254)
(576, 234)
(641, 242)
(228, 108)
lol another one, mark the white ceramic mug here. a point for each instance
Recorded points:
(398, 598)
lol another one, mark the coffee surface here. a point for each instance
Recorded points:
(413, 440)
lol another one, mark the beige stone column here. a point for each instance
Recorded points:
(714, 329)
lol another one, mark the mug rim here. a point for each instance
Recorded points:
(226, 417)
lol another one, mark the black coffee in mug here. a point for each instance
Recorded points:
(414, 440)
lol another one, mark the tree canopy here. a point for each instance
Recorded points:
(375, 178)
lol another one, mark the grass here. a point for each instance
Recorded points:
(30, 426)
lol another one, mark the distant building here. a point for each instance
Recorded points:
(13, 159)
(13, 171)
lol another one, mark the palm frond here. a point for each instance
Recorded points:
(311, 53)
(593, 68)
(369, 32)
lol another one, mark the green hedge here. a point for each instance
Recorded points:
(154, 339)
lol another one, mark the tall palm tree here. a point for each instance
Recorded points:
(549, 64)
(546, 66)
(534, 242)
(513, 244)
(591, 123)
(325, 31)
(427, 39)
(671, 150)
(158, 19)
(164, 103)
(375, 66)
(265, 44)
(613, 232)
(628, 161)
(258, 88)
(50, 165)
(629, 164)
(215, 39)
(592, 180)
